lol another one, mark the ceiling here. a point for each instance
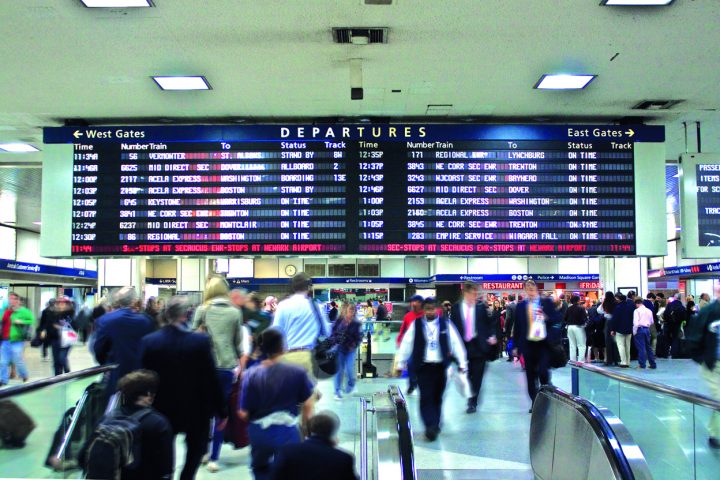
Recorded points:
(275, 60)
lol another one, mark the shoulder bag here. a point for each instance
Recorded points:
(324, 353)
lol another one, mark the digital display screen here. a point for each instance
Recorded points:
(708, 204)
(349, 189)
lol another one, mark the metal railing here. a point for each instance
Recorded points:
(679, 393)
(50, 381)
(557, 442)
(391, 439)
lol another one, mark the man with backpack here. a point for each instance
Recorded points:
(134, 441)
(702, 342)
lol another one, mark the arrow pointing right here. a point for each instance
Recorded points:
(77, 134)
(630, 132)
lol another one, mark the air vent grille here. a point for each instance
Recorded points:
(373, 34)
(378, 2)
(656, 104)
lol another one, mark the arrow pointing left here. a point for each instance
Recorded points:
(77, 134)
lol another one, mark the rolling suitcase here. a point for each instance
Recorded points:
(15, 424)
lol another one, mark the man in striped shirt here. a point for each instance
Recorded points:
(642, 320)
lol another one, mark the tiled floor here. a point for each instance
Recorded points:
(493, 443)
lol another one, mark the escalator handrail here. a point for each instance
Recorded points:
(47, 382)
(679, 393)
(596, 418)
(405, 437)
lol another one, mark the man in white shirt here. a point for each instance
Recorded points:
(302, 321)
(431, 352)
(642, 320)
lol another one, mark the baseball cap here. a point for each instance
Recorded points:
(416, 298)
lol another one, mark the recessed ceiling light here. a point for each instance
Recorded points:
(636, 3)
(18, 147)
(116, 3)
(196, 82)
(564, 81)
(37, 223)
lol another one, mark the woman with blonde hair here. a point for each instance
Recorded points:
(223, 322)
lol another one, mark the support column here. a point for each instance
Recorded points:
(624, 273)
(191, 274)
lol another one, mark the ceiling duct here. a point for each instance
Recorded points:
(360, 35)
(656, 104)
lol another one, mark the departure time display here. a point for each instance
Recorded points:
(417, 189)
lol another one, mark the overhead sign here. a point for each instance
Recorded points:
(15, 266)
(684, 270)
(160, 281)
(422, 189)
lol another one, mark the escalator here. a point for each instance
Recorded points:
(570, 438)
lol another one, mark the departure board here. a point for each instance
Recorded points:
(708, 204)
(354, 189)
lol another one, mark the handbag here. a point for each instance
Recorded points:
(325, 352)
(558, 357)
(68, 336)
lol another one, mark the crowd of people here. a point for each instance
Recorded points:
(193, 370)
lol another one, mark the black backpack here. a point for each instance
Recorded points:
(114, 446)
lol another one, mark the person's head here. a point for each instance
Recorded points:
(660, 295)
(348, 311)
(324, 425)
(631, 295)
(139, 387)
(677, 297)
(531, 289)
(568, 296)
(50, 303)
(470, 292)
(496, 304)
(272, 343)
(639, 302)
(430, 308)
(125, 297)
(253, 301)
(574, 299)
(151, 305)
(651, 296)
(13, 300)
(379, 300)
(369, 303)
(447, 305)
(301, 283)
(620, 297)
(176, 310)
(238, 297)
(416, 303)
(333, 304)
(705, 296)
(511, 297)
(270, 303)
(215, 287)
(63, 304)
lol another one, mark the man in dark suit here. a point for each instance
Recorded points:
(316, 457)
(118, 335)
(189, 394)
(478, 333)
(538, 326)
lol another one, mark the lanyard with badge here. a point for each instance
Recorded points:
(538, 329)
(432, 335)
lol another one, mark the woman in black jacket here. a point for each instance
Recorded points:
(575, 319)
(612, 356)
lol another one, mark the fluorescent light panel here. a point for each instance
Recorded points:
(636, 3)
(18, 147)
(116, 3)
(196, 82)
(564, 82)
